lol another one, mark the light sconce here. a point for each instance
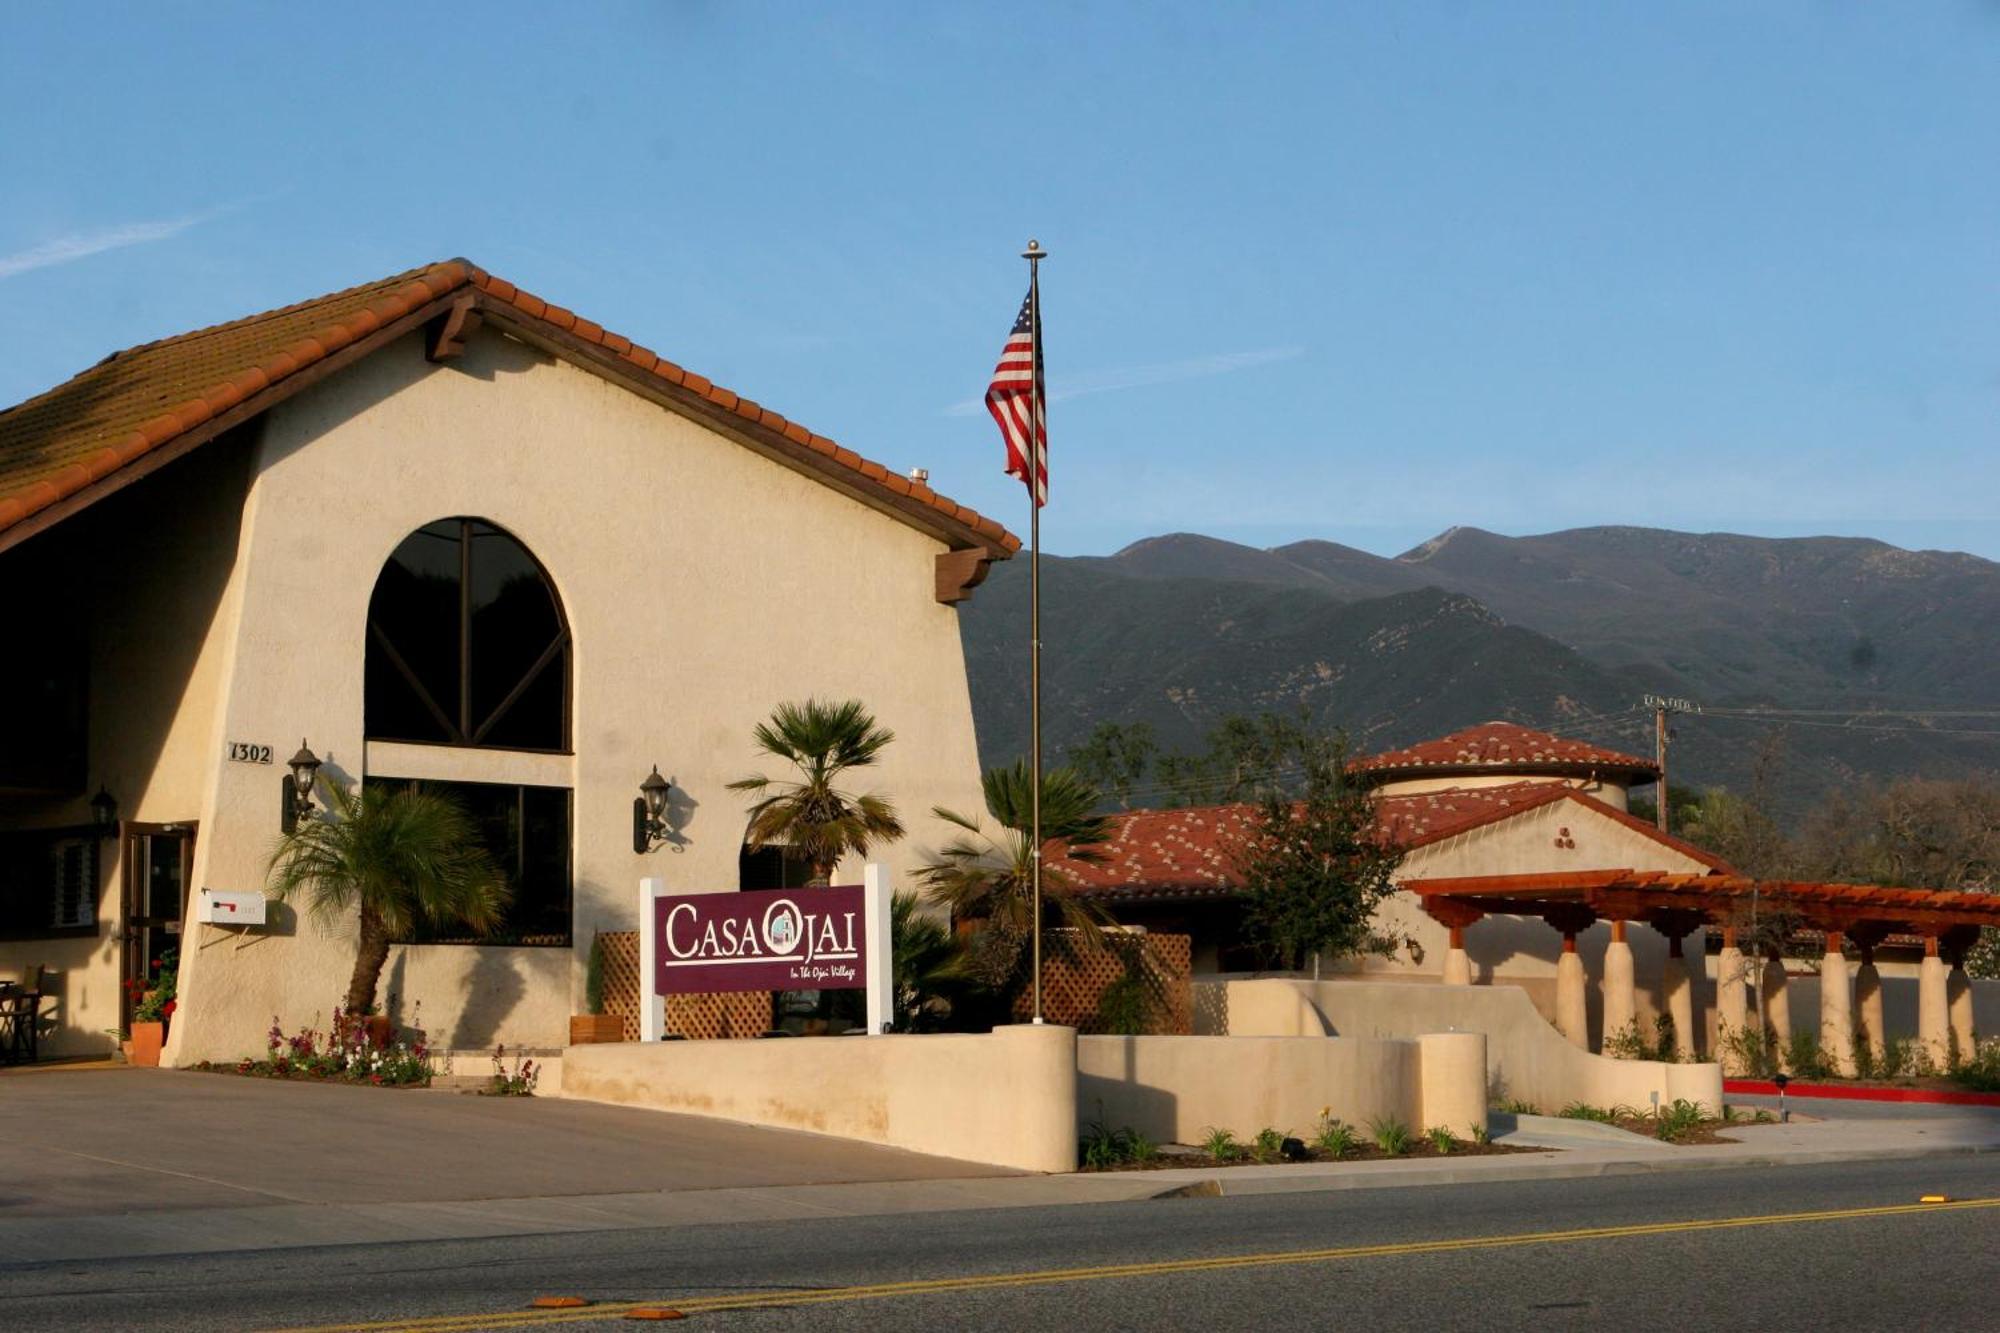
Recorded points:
(649, 813)
(103, 812)
(298, 787)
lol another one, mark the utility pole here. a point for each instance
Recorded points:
(1661, 706)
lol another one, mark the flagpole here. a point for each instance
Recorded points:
(1034, 254)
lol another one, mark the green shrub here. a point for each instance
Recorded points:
(1125, 1008)
(1221, 1146)
(1103, 1147)
(1980, 1070)
(593, 977)
(1515, 1106)
(1335, 1139)
(1806, 1059)
(1751, 1050)
(1391, 1135)
(1677, 1120)
(1269, 1144)
(1481, 1135)
(1585, 1111)
(1441, 1140)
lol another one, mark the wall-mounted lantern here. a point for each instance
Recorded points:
(298, 787)
(104, 812)
(649, 813)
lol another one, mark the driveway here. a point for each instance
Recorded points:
(121, 1141)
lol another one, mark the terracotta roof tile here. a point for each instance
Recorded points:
(61, 441)
(1502, 747)
(1189, 853)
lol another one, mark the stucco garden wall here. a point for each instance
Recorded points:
(1175, 1089)
(1526, 1058)
(703, 584)
(1007, 1097)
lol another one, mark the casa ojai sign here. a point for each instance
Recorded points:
(766, 940)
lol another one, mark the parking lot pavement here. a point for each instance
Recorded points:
(101, 1141)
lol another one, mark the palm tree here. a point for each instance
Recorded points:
(407, 856)
(932, 977)
(812, 816)
(990, 877)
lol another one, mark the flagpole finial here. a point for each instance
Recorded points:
(1034, 250)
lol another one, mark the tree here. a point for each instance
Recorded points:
(1245, 755)
(988, 878)
(1316, 865)
(1115, 758)
(813, 816)
(932, 975)
(406, 857)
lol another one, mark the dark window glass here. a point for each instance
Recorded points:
(466, 643)
(527, 830)
(48, 883)
(771, 868)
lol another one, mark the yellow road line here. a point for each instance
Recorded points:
(464, 1323)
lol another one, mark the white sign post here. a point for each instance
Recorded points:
(879, 947)
(652, 1006)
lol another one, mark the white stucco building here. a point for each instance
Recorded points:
(441, 531)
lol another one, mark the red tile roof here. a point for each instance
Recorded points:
(135, 403)
(1161, 854)
(1503, 747)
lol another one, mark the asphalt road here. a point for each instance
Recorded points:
(1919, 1268)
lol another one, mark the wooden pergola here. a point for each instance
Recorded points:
(1948, 923)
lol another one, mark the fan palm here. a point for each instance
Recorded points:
(990, 877)
(932, 976)
(812, 816)
(406, 856)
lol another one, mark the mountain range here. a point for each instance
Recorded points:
(1861, 659)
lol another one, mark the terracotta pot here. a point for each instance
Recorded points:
(125, 1049)
(380, 1030)
(147, 1039)
(592, 1029)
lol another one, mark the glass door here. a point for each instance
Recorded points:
(158, 863)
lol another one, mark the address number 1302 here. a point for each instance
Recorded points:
(242, 752)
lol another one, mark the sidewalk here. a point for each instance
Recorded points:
(289, 1225)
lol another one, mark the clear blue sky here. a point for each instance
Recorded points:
(1358, 273)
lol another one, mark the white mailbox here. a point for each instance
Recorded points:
(229, 907)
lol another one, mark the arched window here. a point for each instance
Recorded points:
(467, 644)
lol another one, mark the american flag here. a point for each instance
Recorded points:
(1012, 400)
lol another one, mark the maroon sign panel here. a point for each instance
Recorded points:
(785, 939)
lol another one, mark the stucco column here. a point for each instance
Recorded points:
(1621, 1002)
(1572, 1011)
(1836, 1007)
(1958, 1007)
(1868, 1019)
(1732, 998)
(1457, 964)
(1455, 916)
(1677, 998)
(1572, 1017)
(1933, 1021)
(1777, 1010)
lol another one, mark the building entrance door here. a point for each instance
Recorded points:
(158, 863)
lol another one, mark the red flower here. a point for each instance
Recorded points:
(169, 1007)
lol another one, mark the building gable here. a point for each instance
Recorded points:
(139, 409)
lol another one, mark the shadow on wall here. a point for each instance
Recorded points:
(493, 990)
(1116, 1097)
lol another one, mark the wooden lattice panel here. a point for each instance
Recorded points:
(698, 1017)
(1075, 977)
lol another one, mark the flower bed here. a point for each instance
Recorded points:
(344, 1053)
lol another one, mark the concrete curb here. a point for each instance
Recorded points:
(28, 1241)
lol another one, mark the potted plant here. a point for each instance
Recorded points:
(594, 1025)
(155, 1007)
